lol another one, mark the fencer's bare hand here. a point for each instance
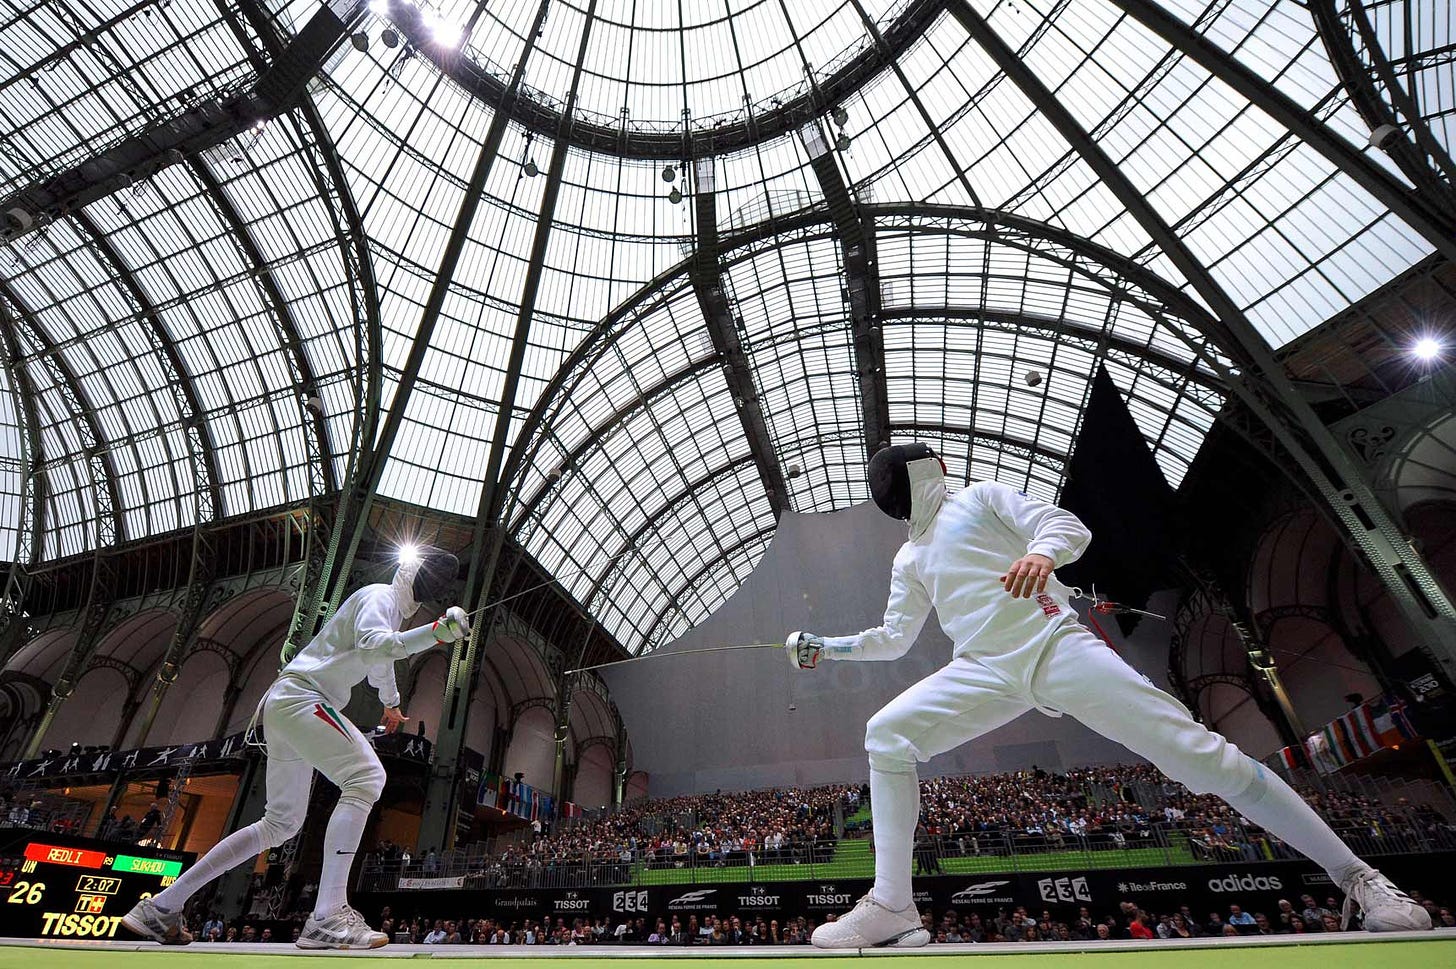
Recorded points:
(393, 717)
(1028, 575)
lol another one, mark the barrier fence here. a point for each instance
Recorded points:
(1256, 886)
(1159, 845)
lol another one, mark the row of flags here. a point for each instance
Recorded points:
(1372, 726)
(514, 797)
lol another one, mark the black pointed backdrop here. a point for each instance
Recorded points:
(1115, 486)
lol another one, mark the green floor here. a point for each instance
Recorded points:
(1380, 955)
(854, 859)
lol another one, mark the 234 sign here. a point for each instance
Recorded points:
(1064, 890)
(629, 901)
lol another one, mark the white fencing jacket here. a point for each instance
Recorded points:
(362, 640)
(958, 552)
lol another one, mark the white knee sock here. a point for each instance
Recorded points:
(226, 855)
(895, 805)
(1274, 806)
(341, 843)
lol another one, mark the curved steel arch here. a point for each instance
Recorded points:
(1238, 681)
(107, 497)
(618, 417)
(281, 316)
(651, 521)
(547, 703)
(1262, 383)
(30, 524)
(596, 740)
(1437, 227)
(203, 449)
(1173, 302)
(1032, 451)
(1184, 369)
(697, 577)
(671, 142)
(1431, 172)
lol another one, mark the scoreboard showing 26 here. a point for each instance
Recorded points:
(58, 886)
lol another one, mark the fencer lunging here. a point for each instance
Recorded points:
(983, 559)
(304, 732)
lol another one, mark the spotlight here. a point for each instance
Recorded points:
(408, 555)
(360, 40)
(795, 470)
(842, 142)
(442, 31)
(840, 116)
(1383, 136)
(1032, 378)
(1426, 348)
(675, 196)
(389, 38)
(669, 174)
(531, 170)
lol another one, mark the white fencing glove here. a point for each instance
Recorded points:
(804, 649)
(453, 626)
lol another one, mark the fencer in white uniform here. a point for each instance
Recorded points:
(983, 559)
(304, 732)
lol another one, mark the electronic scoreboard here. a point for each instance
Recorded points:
(60, 886)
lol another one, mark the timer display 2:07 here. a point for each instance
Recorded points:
(71, 891)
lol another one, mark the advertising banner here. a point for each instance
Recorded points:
(1256, 886)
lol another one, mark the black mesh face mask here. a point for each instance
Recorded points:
(436, 575)
(889, 477)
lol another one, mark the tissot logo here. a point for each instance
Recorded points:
(828, 896)
(1064, 890)
(693, 901)
(758, 897)
(982, 892)
(572, 902)
(86, 926)
(629, 901)
(1245, 883)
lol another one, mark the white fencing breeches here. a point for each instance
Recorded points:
(304, 733)
(1077, 675)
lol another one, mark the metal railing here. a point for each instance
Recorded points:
(43, 810)
(1151, 846)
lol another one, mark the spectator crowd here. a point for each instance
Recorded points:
(1307, 915)
(1119, 806)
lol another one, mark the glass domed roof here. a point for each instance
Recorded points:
(676, 266)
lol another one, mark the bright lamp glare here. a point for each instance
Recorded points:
(408, 555)
(442, 31)
(379, 7)
(1427, 349)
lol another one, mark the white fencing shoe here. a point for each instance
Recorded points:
(871, 926)
(147, 920)
(1383, 907)
(345, 929)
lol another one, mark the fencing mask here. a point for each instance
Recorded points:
(434, 575)
(889, 477)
